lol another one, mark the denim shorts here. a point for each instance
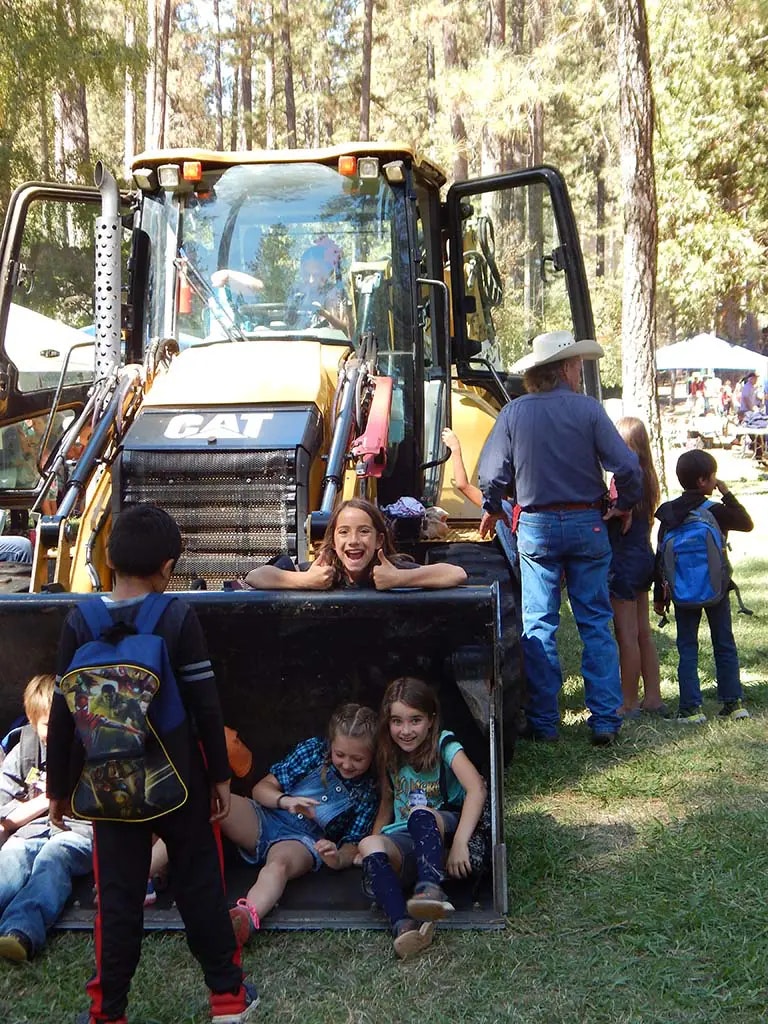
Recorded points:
(404, 842)
(274, 829)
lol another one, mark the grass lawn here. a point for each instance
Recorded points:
(636, 882)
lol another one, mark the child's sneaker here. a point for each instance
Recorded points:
(429, 903)
(245, 921)
(412, 938)
(15, 946)
(733, 709)
(150, 896)
(229, 1009)
(691, 716)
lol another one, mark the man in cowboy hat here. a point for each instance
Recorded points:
(550, 448)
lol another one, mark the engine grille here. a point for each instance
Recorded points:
(235, 509)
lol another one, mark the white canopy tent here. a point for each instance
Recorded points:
(38, 345)
(708, 352)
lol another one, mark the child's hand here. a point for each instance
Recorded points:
(299, 805)
(450, 440)
(385, 574)
(58, 810)
(319, 576)
(458, 865)
(625, 515)
(658, 607)
(220, 801)
(721, 486)
(329, 853)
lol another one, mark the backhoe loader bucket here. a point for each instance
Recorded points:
(283, 661)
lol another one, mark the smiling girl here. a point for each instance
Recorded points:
(356, 551)
(432, 797)
(312, 808)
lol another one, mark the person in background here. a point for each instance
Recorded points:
(550, 447)
(697, 473)
(629, 581)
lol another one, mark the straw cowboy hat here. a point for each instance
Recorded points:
(554, 346)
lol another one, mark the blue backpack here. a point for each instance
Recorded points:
(122, 694)
(694, 565)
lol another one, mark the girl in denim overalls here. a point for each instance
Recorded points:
(419, 814)
(312, 808)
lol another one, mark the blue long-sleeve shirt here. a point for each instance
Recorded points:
(550, 448)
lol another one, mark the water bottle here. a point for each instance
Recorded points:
(417, 798)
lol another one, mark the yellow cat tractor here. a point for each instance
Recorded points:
(204, 375)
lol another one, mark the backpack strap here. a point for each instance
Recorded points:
(98, 619)
(151, 611)
(96, 616)
(29, 751)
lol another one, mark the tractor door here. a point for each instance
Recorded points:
(520, 273)
(47, 259)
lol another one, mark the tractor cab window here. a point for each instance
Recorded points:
(513, 272)
(49, 330)
(284, 250)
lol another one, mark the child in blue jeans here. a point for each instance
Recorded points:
(697, 473)
(37, 860)
(415, 822)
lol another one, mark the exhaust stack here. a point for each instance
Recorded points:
(108, 290)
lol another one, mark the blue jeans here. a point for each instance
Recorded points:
(36, 881)
(575, 544)
(16, 549)
(723, 646)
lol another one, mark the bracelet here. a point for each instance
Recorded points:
(277, 802)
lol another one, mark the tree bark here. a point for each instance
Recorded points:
(458, 130)
(269, 79)
(492, 144)
(245, 134)
(129, 99)
(638, 183)
(73, 155)
(365, 78)
(290, 99)
(218, 88)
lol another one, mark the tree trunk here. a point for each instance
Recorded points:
(492, 144)
(218, 88)
(431, 89)
(365, 78)
(290, 99)
(161, 76)
(149, 85)
(245, 135)
(73, 154)
(458, 131)
(129, 99)
(269, 79)
(235, 109)
(638, 183)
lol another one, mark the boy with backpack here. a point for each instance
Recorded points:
(37, 860)
(693, 573)
(136, 714)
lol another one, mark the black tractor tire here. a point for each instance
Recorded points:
(15, 577)
(485, 563)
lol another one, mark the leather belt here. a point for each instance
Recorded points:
(566, 506)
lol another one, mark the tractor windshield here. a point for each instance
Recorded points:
(277, 249)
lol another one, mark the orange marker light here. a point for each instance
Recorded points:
(192, 170)
(348, 166)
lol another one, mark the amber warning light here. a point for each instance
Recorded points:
(348, 166)
(192, 170)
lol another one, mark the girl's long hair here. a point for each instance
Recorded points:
(636, 437)
(355, 721)
(380, 525)
(418, 695)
